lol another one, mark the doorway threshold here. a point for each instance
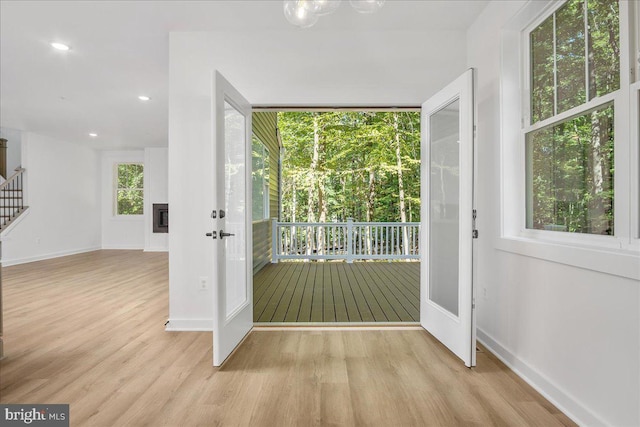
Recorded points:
(325, 326)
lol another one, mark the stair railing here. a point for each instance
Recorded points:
(12, 197)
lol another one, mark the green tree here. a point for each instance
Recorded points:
(350, 164)
(570, 163)
(130, 191)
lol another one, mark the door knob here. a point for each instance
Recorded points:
(213, 235)
(223, 234)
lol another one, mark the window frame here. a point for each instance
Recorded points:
(116, 189)
(617, 98)
(635, 159)
(617, 254)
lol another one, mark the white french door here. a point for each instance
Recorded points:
(232, 238)
(446, 285)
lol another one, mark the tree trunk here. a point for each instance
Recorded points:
(343, 181)
(597, 209)
(403, 210)
(591, 63)
(370, 207)
(313, 174)
(294, 202)
(322, 204)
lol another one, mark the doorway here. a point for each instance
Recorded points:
(452, 207)
(343, 245)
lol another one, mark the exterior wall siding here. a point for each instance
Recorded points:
(265, 127)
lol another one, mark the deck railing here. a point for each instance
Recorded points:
(345, 240)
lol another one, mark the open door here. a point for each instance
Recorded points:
(446, 285)
(233, 287)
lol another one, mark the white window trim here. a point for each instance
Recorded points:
(635, 154)
(619, 254)
(114, 196)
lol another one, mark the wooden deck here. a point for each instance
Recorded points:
(337, 292)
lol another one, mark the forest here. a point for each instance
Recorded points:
(362, 165)
(575, 58)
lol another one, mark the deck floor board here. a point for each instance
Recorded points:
(337, 292)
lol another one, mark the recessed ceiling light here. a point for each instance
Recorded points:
(60, 46)
(143, 98)
(93, 135)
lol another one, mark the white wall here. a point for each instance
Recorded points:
(63, 194)
(572, 332)
(14, 148)
(119, 232)
(275, 68)
(156, 190)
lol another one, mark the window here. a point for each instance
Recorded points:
(129, 194)
(547, 180)
(260, 179)
(570, 175)
(574, 75)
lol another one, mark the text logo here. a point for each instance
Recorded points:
(34, 415)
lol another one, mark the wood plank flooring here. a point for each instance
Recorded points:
(88, 330)
(337, 292)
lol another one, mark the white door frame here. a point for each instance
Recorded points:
(224, 91)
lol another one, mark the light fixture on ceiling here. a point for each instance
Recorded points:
(60, 46)
(305, 13)
(300, 13)
(144, 98)
(367, 6)
(93, 134)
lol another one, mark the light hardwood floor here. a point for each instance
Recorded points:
(88, 330)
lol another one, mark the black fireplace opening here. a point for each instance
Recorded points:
(160, 218)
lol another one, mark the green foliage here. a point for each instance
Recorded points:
(130, 191)
(583, 63)
(570, 164)
(571, 175)
(351, 145)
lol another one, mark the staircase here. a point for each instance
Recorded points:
(12, 199)
(11, 207)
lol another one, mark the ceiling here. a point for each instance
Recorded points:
(120, 50)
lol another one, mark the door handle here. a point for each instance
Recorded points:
(223, 234)
(213, 235)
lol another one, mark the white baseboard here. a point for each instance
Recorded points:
(158, 249)
(16, 261)
(123, 247)
(563, 400)
(175, 325)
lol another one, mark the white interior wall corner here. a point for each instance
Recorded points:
(570, 332)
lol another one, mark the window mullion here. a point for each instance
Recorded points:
(587, 71)
(625, 163)
(555, 68)
(575, 111)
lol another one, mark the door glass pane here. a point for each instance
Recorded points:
(444, 201)
(235, 205)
